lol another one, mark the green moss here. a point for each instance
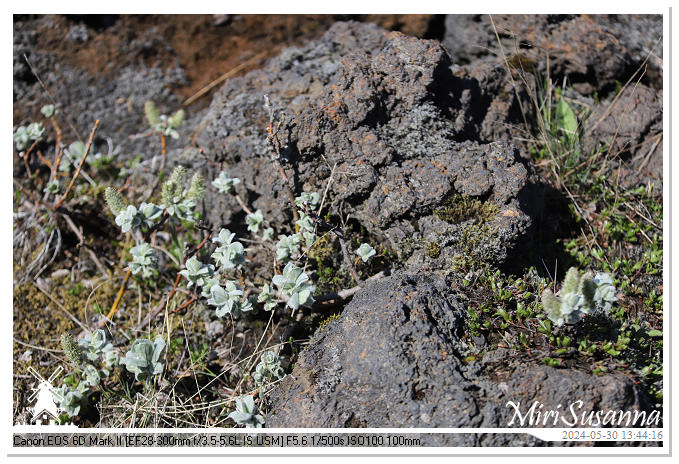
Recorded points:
(324, 324)
(433, 250)
(460, 208)
(322, 248)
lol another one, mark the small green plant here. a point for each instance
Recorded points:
(178, 202)
(197, 273)
(229, 254)
(366, 252)
(294, 284)
(228, 300)
(94, 345)
(72, 400)
(23, 136)
(166, 125)
(269, 369)
(246, 412)
(579, 295)
(266, 297)
(287, 247)
(143, 358)
(225, 184)
(254, 221)
(144, 261)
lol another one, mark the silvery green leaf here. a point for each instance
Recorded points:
(35, 131)
(71, 400)
(309, 198)
(268, 369)
(209, 283)
(21, 138)
(229, 256)
(254, 220)
(305, 223)
(196, 272)
(287, 247)
(128, 218)
(47, 111)
(149, 214)
(246, 412)
(144, 261)
(224, 184)
(266, 297)
(224, 237)
(52, 187)
(365, 251)
(111, 358)
(143, 358)
(293, 284)
(92, 375)
(267, 234)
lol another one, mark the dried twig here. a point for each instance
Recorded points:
(339, 233)
(160, 307)
(82, 161)
(221, 79)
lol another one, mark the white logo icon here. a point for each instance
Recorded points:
(45, 408)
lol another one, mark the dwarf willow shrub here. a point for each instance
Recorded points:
(143, 358)
(144, 261)
(294, 284)
(71, 400)
(246, 412)
(579, 295)
(229, 254)
(366, 252)
(225, 184)
(166, 125)
(269, 369)
(196, 272)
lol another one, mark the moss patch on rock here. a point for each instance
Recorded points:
(461, 208)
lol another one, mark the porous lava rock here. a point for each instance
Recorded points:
(381, 121)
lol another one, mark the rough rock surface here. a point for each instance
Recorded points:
(630, 128)
(393, 359)
(593, 52)
(116, 98)
(400, 130)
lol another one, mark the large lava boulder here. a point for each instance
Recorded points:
(380, 119)
(395, 359)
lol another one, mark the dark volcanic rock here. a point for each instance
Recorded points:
(629, 131)
(393, 359)
(593, 52)
(398, 127)
(116, 98)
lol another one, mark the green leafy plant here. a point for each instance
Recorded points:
(294, 284)
(144, 261)
(93, 345)
(196, 272)
(254, 221)
(71, 400)
(366, 252)
(229, 254)
(166, 125)
(246, 412)
(579, 295)
(143, 358)
(228, 300)
(267, 297)
(225, 184)
(287, 247)
(269, 369)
